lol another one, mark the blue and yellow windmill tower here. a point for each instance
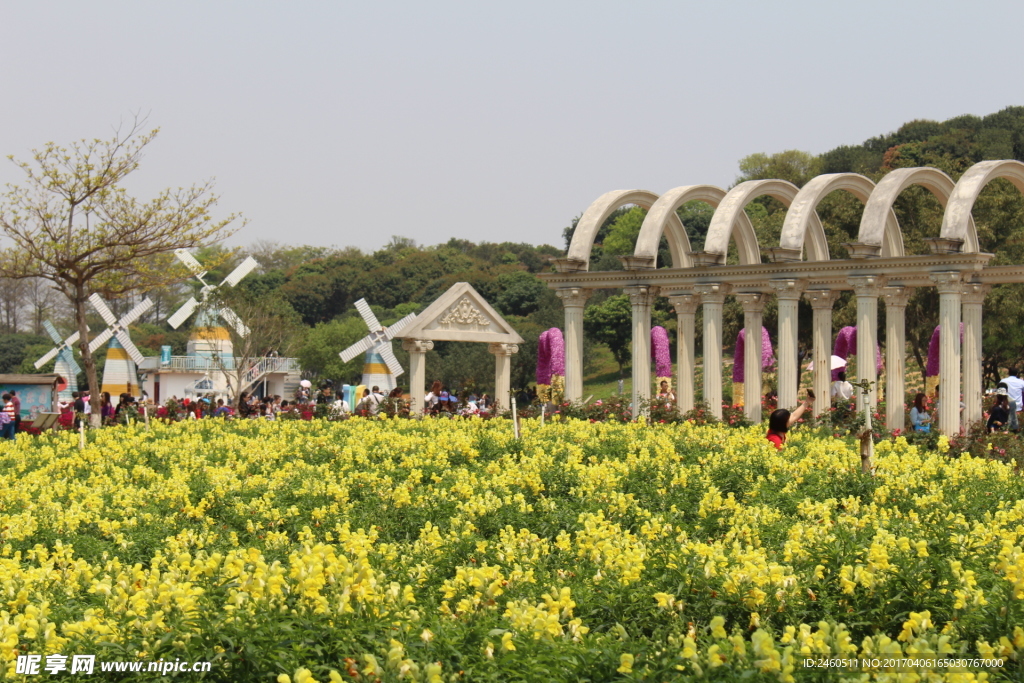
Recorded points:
(120, 373)
(380, 367)
(65, 366)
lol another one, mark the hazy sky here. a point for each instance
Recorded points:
(340, 123)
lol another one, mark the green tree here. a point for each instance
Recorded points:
(16, 348)
(73, 224)
(793, 165)
(611, 323)
(320, 346)
(520, 293)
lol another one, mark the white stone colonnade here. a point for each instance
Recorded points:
(800, 266)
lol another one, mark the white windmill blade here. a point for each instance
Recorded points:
(101, 307)
(243, 269)
(368, 316)
(190, 262)
(101, 339)
(52, 331)
(359, 347)
(182, 314)
(47, 357)
(69, 358)
(134, 314)
(235, 322)
(388, 354)
(129, 346)
(393, 330)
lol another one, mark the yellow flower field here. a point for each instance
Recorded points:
(398, 550)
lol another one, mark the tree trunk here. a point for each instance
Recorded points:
(95, 418)
(917, 357)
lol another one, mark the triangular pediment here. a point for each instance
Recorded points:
(461, 314)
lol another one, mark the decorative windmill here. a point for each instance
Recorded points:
(119, 372)
(380, 367)
(205, 319)
(65, 366)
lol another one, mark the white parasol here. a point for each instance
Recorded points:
(835, 362)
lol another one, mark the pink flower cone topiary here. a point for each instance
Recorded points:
(556, 346)
(543, 375)
(767, 355)
(846, 344)
(932, 366)
(660, 352)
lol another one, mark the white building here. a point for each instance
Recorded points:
(209, 367)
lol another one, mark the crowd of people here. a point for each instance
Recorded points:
(1003, 416)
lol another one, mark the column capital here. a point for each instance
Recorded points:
(573, 297)
(821, 298)
(867, 285)
(974, 293)
(788, 289)
(712, 293)
(948, 282)
(502, 349)
(417, 345)
(684, 303)
(752, 302)
(641, 294)
(896, 297)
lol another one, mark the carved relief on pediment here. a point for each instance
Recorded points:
(464, 315)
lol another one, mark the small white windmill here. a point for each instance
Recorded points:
(381, 367)
(119, 372)
(65, 366)
(189, 307)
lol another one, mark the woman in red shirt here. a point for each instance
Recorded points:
(781, 420)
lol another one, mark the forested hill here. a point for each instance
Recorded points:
(315, 287)
(952, 145)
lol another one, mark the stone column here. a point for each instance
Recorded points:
(685, 306)
(640, 299)
(788, 293)
(821, 301)
(973, 298)
(867, 288)
(503, 372)
(417, 349)
(895, 356)
(713, 298)
(753, 307)
(950, 288)
(573, 300)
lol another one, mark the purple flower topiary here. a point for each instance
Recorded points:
(846, 344)
(557, 346)
(932, 366)
(660, 352)
(544, 359)
(767, 355)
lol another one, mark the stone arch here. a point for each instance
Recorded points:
(802, 219)
(662, 215)
(957, 221)
(597, 213)
(879, 206)
(730, 216)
